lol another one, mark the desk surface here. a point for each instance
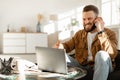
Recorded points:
(45, 76)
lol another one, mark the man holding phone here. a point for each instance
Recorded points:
(95, 46)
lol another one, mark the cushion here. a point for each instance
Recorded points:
(117, 61)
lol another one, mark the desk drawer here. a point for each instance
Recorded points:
(16, 49)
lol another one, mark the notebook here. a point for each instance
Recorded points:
(52, 59)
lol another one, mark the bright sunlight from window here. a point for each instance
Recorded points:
(67, 23)
(111, 12)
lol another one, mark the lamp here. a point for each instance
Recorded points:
(53, 17)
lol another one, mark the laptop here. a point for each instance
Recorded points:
(57, 61)
(52, 59)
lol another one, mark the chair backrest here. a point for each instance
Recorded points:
(117, 61)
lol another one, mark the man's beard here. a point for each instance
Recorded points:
(93, 27)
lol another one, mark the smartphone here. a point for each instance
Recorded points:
(94, 25)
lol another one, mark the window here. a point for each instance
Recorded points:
(67, 23)
(111, 12)
(49, 28)
(70, 22)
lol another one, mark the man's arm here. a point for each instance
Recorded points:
(107, 38)
(108, 42)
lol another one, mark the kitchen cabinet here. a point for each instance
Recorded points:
(23, 42)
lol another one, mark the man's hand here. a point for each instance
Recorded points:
(57, 44)
(99, 23)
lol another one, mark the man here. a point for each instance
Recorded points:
(95, 46)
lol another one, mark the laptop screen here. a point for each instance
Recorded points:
(51, 59)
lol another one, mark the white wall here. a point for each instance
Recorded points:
(18, 13)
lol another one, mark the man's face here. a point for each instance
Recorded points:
(88, 20)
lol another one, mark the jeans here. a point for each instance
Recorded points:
(102, 67)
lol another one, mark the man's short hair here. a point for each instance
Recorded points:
(91, 8)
